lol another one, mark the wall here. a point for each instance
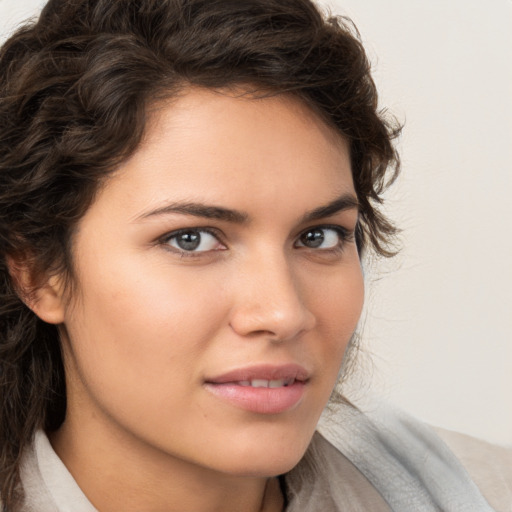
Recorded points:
(439, 319)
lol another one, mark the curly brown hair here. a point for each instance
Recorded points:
(75, 87)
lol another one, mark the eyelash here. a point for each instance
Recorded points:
(344, 235)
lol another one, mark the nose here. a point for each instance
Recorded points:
(270, 301)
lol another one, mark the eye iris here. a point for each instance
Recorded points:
(313, 238)
(189, 240)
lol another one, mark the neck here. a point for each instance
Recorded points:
(119, 472)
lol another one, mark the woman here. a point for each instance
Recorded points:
(187, 189)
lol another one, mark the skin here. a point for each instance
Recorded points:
(148, 324)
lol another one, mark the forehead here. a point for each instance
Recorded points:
(238, 106)
(217, 146)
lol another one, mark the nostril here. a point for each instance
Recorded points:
(264, 333)
(258, 333)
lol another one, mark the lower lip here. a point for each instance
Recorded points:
(259, 400)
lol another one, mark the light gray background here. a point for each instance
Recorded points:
(438, 322)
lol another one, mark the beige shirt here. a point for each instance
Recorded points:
(324, 481)
(490, 466)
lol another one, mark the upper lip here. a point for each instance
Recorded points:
(264, 372)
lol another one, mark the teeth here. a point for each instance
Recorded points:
(259, 383)
(263, 383)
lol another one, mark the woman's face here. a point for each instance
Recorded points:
(218, 286)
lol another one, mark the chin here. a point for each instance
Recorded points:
(269, 466)
(265, 456)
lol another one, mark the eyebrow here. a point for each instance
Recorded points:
(199, 210)
(344, 202)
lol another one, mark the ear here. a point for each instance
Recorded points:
(44, 296)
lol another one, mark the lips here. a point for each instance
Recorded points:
(261, 389)
(288, 372)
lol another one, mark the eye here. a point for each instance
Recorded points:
(322, 238)
(194, 240)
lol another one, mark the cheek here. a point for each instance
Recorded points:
(339, 301)
(141, 297)
(338, 308)
(143, 329)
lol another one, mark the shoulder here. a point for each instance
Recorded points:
(414, 468)
(326, 480)
(489, 465)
